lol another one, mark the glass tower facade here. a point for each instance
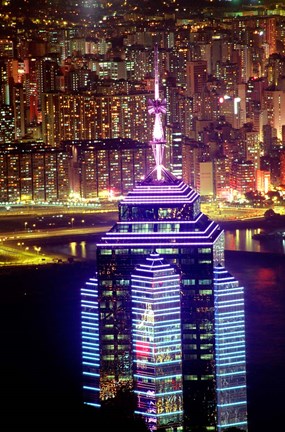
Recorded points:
(156, 337)
(90, 342)
(162, 215)
(230, 350)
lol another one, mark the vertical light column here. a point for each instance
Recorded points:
(230, 351)
(156, 327)
(90, 343)
(157, 107)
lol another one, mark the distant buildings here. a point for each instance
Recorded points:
(80, 170)
(32, 172)
(69, 79)
(105, 168)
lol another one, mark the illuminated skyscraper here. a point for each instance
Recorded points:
(157, 343)
(161, 214)
(230, 350)
(90, 342)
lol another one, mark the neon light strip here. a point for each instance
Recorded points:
(146, 414)
(136, 245)
(159, 200)
(91, 388)
(241, 372)
(231, 363)
(178, 376)
(145, 393)
(232, 404)
(90, 364)
(151, 188)
(91, 343)
(229, 291)
(161, 234)
(233, 424)
(235, 324)
(156, 364)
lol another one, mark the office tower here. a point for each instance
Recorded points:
(243, 176)
(282, 167)
(222, 177)
(206, 179)
(230, 350)
(252, 147)
(18, 110)
(7, 47)
(156, 333)
(90, 342)
(263, 181)
(161, 214)
(7, 124)
(196, 77)
(274, 103)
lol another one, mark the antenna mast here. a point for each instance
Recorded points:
(157, 107)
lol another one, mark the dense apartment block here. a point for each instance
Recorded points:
(32, 172)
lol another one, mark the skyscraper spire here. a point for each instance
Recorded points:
(157, 107)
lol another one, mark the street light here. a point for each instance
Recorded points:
(37, 249)
(72, 220)
(25, 223)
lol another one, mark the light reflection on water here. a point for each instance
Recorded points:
(241, 240)
(237, 239)
(76, 249)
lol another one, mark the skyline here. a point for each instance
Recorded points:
(79, 85)
(163, 212)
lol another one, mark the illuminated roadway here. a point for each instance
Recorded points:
(53, 232)
(17, 248)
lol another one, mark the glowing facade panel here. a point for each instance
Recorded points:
(90, 342)
(230, 351)
(157, 349)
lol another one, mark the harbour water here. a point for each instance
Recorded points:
(235, 240)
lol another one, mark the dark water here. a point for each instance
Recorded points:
(236, 239)
(40, 367)
(263, 276)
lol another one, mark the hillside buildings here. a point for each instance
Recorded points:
(222, 80)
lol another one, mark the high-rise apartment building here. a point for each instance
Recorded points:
(104, 168)
(196, 77)
(7, 124)
(274, 103)
(282, 167)
(89, 116)
(162, 215)
(33, 172)
(243, 176)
